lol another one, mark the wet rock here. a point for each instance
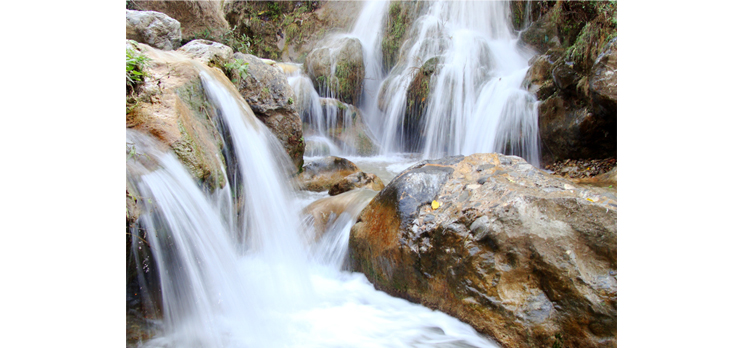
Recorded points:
(604, 79)
(323, 213)
(265, 88)
(575, 79)
(401, 15)
(357, 180)
(208, 52)
(571, 131)
(321, 174)
(337, 69)
(153, 28)
(527, 258)
(197, 17)
(350, 131)
(542, 35)
(564, 76)
(171, 105)
(417, 96)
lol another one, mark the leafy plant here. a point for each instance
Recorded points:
(136, 64)
(240, 66)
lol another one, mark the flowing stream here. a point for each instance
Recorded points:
(238, 272)
(241, 267)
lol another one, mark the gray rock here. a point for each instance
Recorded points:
(153, 28)
(266, 90)
(604, 80)
(208, 52)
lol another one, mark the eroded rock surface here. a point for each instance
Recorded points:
(171, 105)
(525, 257)
(574, 77)
(357, 180)
(266, 90)
(197, 17)
(210, 53)
(153, 28)
(322, 174)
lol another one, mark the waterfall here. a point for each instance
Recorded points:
(475, 102)
(234, 268)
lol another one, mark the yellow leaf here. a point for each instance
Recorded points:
(435, 204)
(510, 179)
(590, 199)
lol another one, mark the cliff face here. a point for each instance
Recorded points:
(574, 76)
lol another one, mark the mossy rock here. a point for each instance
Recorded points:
(337, 69)
(417, 98)
(575, 79)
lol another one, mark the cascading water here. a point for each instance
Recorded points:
(234, 269)
(474, 99)
(329, 124)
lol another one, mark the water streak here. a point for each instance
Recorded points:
(475, 102)
(233, 266)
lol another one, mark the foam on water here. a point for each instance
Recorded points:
(235, 270)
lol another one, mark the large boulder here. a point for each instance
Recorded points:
(525, 257)
(357, 180)
(265, 88)
(337, 68)
(321, 174)
(199, 18)
(208, 52)
(153, 28)
(171, 105)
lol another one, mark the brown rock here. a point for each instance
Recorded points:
(324, 212)
(357, 180)
(171, 106)
(525, 257)
(322, 174)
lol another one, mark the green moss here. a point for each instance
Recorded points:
(398, 21)
(187, 148)
(347, 81)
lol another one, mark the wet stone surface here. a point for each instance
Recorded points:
(582, 168)
(519, 254)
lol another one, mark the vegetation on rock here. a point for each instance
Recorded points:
(578, 108)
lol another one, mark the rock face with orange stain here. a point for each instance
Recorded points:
(172, 107)
(523, 256)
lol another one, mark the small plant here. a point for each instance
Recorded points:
(240, 66)
(290, 101)
(136, 64)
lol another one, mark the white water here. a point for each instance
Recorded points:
(248, 279)
(475, 103)
(323, 119)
